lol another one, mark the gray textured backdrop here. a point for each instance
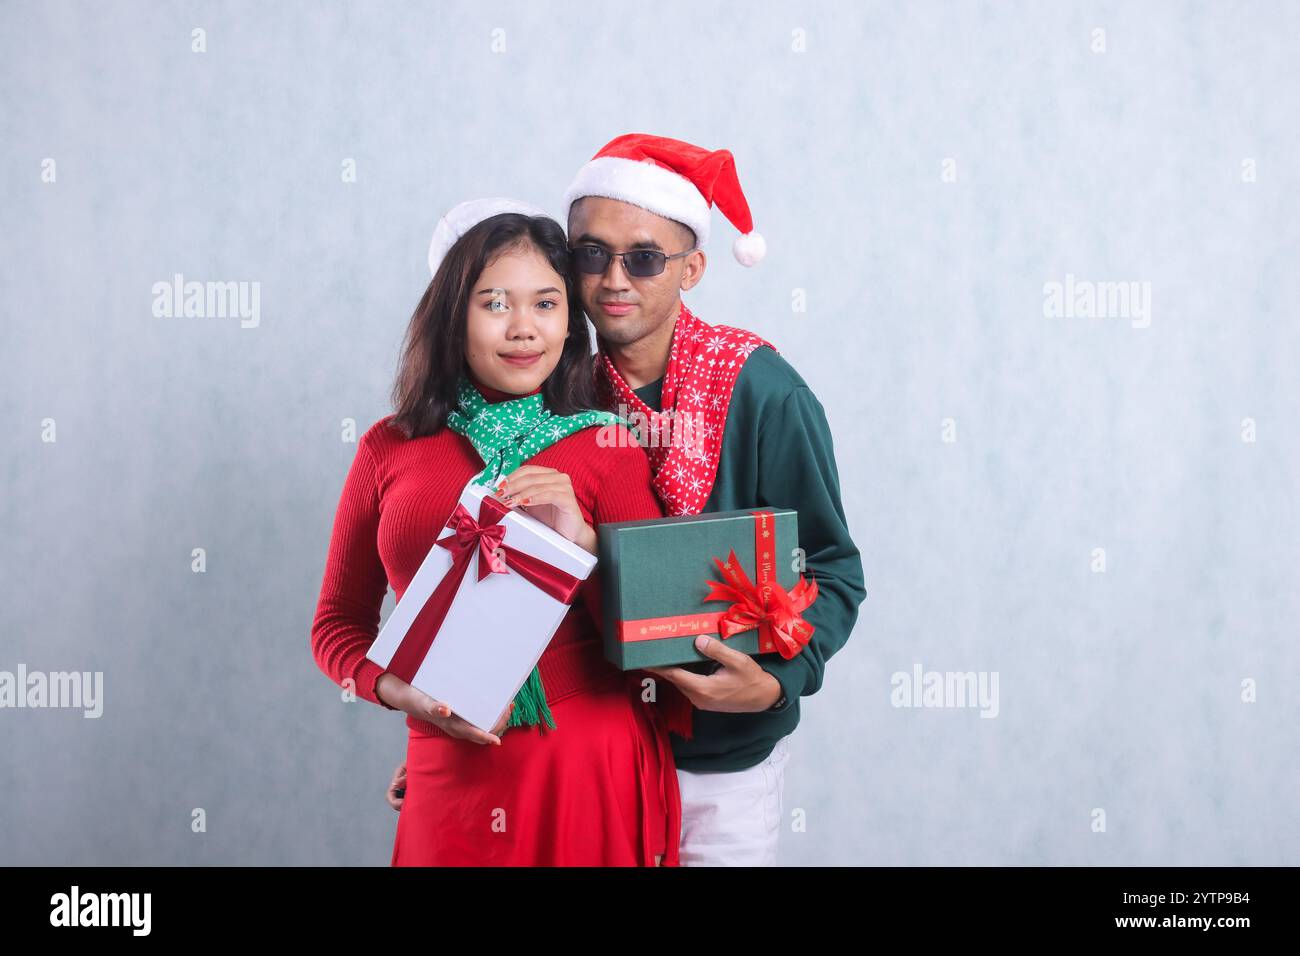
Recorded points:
(1168, 158)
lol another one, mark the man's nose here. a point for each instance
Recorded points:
(616, 276)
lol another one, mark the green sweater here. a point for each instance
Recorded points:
(777, 452)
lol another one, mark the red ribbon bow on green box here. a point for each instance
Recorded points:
(765, 605)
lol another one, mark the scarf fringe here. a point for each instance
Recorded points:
(530, 704)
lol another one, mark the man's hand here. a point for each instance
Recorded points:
(397, 789)
(738, 686)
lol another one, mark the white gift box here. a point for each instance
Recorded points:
(496, 628)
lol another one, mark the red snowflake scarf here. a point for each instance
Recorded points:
(683, 439)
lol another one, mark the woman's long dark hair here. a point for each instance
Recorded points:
(433, 355)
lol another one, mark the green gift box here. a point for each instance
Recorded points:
(655, 586)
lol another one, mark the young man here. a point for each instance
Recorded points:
(637, 214)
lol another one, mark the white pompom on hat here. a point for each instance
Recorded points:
(463, 217)
(672, 179)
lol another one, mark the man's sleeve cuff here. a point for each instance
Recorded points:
(791, 674)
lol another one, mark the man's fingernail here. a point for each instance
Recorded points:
(702, 641)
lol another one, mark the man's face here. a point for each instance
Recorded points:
(626, 308)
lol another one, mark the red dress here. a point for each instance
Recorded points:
(600, 789)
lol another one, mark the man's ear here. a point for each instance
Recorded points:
(693, 269)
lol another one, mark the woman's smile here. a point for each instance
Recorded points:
(522, 359)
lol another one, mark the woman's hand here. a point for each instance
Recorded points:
(396, 692)
(547, 495)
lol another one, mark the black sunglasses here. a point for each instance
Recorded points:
(640, 263)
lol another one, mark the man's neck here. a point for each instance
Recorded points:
(645, 360)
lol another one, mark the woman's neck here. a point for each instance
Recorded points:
(494, 395)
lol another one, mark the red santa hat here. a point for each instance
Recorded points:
(672, 179)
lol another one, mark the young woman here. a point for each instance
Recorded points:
(496, 381)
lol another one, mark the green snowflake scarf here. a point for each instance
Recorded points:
(506, 434)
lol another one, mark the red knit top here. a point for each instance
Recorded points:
(395, 501)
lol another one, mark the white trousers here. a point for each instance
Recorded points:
(733, 818)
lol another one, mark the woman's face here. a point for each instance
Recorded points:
(517, 323)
